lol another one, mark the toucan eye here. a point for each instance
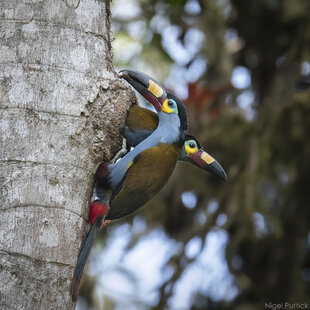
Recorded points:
(170, 106)
(191, 146)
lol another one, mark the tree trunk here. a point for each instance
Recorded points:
(62, 108)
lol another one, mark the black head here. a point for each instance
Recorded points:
(174, 105)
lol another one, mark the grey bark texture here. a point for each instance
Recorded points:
(62, 108)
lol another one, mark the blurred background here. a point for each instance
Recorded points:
(243, 70)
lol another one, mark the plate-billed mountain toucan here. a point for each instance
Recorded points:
(191, 152)
(130, 176)
(126, 185)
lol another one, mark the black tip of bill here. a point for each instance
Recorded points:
(216, 169)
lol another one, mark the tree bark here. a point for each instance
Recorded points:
(62, 109)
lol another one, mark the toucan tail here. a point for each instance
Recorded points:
(87, 245)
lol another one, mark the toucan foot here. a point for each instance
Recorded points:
(105, 223)
(123, 151)
(98, 208)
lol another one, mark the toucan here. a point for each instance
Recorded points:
(129, 183)
(191, 152)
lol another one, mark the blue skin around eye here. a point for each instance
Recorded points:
(174, 103)
(174, 107)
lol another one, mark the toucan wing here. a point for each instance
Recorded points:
(140, 124)
(141, 118)
(149, 172)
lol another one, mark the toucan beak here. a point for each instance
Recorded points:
(146, 86)
(205, 161)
